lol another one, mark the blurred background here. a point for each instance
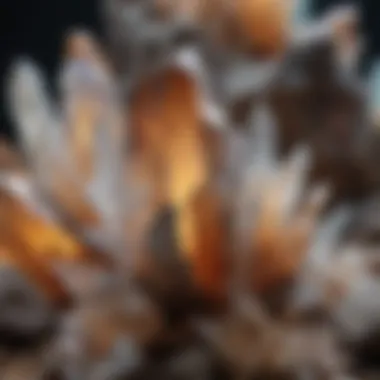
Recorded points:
(36, 27)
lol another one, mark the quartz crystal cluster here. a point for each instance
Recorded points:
(196, 197)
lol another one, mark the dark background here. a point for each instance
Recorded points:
(36, 27)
